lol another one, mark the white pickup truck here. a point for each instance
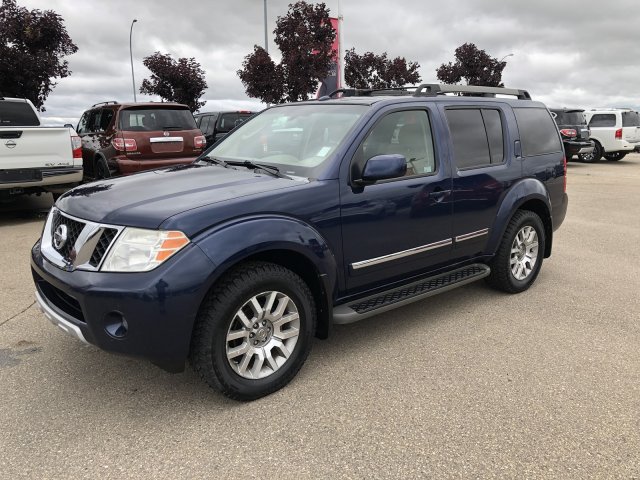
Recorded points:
(35, 159)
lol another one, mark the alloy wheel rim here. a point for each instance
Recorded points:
(524, 253)
(262, 335)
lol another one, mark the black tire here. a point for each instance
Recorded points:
(502, 277)
(217, 315)
(101, 169)
(615, 156)
(594, 156)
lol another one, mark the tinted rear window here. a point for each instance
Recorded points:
(570, 118)
(603, 120)
(17, 114)
(630, 119)
(228, 121)
(149, 119)
(477, 137)
(538, 131)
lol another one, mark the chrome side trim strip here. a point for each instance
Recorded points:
(469, 236)
(404, 253)
(58, 320)
(165, 139)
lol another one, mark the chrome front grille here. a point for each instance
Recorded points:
(85, 243)
(73, 230)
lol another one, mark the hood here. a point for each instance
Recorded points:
(146, 199)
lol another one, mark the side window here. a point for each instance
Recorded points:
(82, 124)
(105, 119)
(406, 133)
(538, 131)
(212, 125)
(93, 123)
(204, 123)
(603, 120)
(477, 137)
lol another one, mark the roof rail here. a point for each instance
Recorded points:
(434, 89)
(104, 103)
(431, 90)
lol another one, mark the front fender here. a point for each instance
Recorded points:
(230, 243)
(523, 191)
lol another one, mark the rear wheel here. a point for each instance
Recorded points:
(254, 331)
(519, 257)
(615, 156)
(594, 156)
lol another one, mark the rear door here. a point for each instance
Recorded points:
(603, 129)
(483, 169)
(156, 132)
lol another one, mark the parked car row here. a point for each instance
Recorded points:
(604, 132)
(110, 139)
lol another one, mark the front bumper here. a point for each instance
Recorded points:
(146, 314)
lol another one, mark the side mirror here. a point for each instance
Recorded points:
(382, 167)
(68, 125)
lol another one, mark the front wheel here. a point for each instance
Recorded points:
(254, 331)
(615, 156)
(519, 257)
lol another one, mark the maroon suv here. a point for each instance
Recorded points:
(124, 138)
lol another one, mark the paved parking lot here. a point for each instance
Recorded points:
(472, 383)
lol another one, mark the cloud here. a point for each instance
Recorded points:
(576, 57)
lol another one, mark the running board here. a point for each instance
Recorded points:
(385, 301)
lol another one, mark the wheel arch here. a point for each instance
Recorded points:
(283, 241)
(529, 194)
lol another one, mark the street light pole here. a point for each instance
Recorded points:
(133, 78)
(508, 55)
(266, 41)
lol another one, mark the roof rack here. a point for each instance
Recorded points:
(431, 90)
(104, 103)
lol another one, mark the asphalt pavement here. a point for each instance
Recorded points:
(469, 384)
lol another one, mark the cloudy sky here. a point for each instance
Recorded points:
(565, 53)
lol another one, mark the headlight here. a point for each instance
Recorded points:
(139, 250)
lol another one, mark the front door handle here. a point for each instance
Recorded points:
(438, 194)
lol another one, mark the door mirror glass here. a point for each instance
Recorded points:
(382, 167)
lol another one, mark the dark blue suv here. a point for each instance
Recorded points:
(307, 215)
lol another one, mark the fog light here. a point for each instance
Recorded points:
(115, 324)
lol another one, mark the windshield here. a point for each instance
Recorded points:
(298, 139)
(630, 119)
(153, 118)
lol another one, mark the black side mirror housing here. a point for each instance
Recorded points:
(383, 167)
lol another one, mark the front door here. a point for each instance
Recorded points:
(401, 227)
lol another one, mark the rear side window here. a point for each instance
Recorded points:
(538, 131)
(477, 137)
(603, 120)
(630, 119)
(150, 119)
(203, 123)
(17, 114)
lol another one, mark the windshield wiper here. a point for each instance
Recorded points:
(270, 169)
(214, 160)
